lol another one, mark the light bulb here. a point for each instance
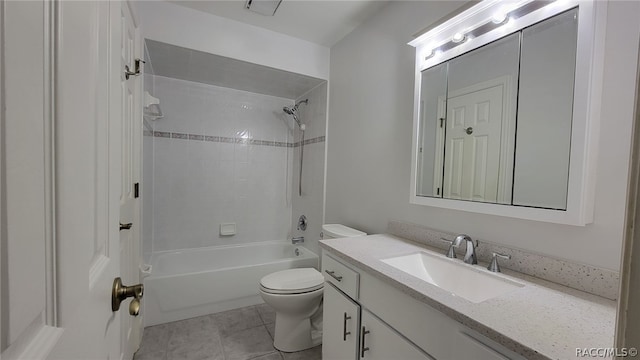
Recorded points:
(499, 18)
(458, 37)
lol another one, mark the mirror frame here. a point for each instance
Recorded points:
(586, 103)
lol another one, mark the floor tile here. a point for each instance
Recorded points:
(272, 356)
(152, 355)
(315, 353)
(197, 350)
(192, 331)
(248, 344)
(267, 313)
(154, 339)
(237, 334)
(232, 321)
(271, 328)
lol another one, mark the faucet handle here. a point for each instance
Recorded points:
(494, 266)
(451, 253)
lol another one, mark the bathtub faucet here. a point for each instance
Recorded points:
(297, 240)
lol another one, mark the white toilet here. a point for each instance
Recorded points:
(296, 296)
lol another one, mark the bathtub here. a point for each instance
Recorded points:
(194, 282)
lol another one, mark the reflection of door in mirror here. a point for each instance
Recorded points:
(472, 150)
(485, 81)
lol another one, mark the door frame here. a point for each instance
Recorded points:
(42, 334)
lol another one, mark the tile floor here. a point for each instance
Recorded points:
(241, 334)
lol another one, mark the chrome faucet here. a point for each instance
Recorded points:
(297, 240)
(470, 255)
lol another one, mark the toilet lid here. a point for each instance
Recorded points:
(293, 280)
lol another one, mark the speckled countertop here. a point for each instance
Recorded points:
(541, 320)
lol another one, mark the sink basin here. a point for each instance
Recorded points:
(454, 276)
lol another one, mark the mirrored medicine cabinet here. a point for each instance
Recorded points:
(505, 111)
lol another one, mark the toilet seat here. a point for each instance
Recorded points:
(292, 281)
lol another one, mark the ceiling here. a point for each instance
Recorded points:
(323, 22)
(192, 65)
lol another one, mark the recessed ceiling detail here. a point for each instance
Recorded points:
(192, 65)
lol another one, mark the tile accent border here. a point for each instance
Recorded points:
(224, 139)
(587, 278)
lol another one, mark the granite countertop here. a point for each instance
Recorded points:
(541, 320)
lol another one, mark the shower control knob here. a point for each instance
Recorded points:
(302, 223)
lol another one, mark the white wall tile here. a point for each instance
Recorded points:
(200, 184)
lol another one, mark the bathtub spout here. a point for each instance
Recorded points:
(297, 240)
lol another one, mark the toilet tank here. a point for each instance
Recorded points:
(333, 231)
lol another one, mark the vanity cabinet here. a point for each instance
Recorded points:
(346, 335)
(340, 323)
(379, 322)
(380, 342)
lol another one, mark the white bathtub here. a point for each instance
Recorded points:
(195, 282)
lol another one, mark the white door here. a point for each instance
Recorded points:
(94, 147)
(472, 150)
(131, 135)
(341, 319)
(379, 342)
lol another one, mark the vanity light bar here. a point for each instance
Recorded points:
(460, 38)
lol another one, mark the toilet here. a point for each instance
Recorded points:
(296, 297)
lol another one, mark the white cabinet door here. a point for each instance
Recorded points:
(341, 318)
(380, 342)
(468, 347)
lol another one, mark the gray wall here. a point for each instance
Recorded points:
(370, 129)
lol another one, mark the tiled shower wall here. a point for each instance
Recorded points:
(219, 156)
(314, 116)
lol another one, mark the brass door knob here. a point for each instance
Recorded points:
(134, 307)
(120, 292)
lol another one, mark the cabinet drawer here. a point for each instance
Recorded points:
(338, 274)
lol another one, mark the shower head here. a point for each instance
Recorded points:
(290, 111)
(293, 111)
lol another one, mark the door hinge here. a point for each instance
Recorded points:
(421, 149)
(442, 122)
(136, 190)
(438, 191)
(137, 69)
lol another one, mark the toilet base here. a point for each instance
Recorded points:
(293, 334)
